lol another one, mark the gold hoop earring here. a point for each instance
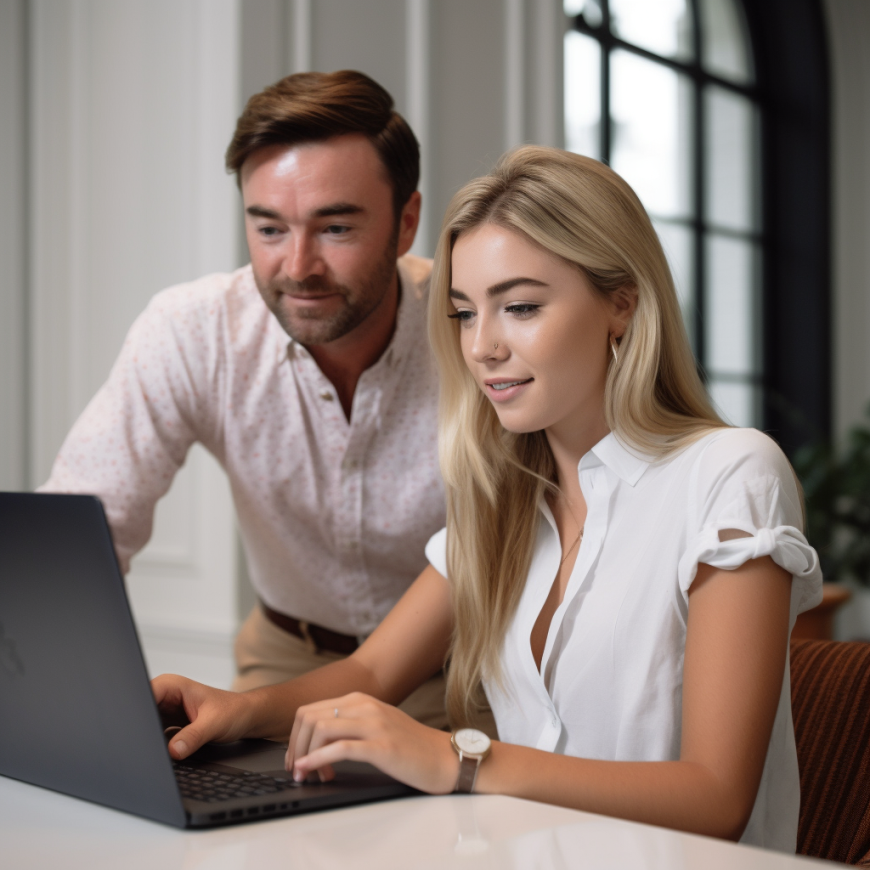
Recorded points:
(613, 350)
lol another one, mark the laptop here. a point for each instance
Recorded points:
(76, 710)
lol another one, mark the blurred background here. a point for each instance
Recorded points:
(744, 126)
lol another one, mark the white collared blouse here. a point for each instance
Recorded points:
(610, 684)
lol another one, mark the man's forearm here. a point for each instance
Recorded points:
(273, 708)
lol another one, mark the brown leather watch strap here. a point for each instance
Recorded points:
(468, 767)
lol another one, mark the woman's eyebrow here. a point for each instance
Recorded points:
(504, 286)
(501, 287)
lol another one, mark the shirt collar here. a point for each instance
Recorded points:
(627, 463)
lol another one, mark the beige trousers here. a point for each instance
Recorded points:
(266, 654)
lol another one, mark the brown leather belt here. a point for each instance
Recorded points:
(317, 637)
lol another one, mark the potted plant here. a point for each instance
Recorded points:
(836, 483)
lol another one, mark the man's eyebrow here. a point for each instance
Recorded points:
(338, 208)
(262, 212)
(498, 289)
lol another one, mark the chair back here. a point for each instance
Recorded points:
(830, 697)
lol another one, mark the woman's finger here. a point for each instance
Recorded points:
(343, 749)
(346, 707)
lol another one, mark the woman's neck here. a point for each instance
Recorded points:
(569, 445)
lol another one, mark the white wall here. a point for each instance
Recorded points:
(131, 105)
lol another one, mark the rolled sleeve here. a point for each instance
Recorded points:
(745, 483)
(436, 552)
(784, 544)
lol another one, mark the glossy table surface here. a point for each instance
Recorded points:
(42, 829)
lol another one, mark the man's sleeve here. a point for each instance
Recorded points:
(134, 435)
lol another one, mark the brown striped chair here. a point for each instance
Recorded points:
(830, 698)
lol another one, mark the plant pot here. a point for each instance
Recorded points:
(818, 623)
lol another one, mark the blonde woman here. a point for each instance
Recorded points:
(620, 571)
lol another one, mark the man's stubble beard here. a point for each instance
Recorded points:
(311, 328)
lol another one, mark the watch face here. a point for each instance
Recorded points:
(472, 741)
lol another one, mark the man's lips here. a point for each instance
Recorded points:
(308, 298)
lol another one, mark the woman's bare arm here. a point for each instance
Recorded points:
(407, 648)
(734, 664)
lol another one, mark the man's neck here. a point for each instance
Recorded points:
(344, 360)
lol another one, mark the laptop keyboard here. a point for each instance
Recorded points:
(212, 785)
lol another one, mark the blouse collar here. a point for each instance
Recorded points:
(627, 463)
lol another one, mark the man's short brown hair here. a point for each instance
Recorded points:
(311, 107)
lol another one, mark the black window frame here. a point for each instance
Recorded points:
(791, 91)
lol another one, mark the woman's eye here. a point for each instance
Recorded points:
(463, 316)
(522, 309)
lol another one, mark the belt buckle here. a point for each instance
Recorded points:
(306, 636)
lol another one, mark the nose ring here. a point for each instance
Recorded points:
(495, 346)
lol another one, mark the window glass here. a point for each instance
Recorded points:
(730, 320)
(679, 245)
(737, 403)
(582, 94)
(724, 41)
(589, 9)
(732, 124)
(661, 26)
(672, 116)
(651, 129)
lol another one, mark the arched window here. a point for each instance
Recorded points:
(680, 98)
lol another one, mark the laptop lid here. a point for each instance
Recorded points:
(76, 711)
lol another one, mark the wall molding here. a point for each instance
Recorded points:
(419, 53)
(301, 36)
(515, 73)
(14, 206)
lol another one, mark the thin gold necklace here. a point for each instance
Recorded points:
(579, 537)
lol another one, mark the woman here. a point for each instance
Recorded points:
(624, 569)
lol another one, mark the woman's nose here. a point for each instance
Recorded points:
(485, 344)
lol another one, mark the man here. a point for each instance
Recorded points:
(306, 374)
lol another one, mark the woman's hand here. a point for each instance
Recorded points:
(204, 714)
(361, 728)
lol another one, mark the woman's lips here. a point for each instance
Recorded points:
(504, 389)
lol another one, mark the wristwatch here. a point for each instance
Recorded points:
(472, 746)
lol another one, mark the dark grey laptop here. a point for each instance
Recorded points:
(76, 710)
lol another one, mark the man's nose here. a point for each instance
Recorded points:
(303, 258)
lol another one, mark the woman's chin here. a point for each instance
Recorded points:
(518, 424)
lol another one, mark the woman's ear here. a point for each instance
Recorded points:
(623, 303)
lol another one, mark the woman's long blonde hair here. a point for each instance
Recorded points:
(584, 213)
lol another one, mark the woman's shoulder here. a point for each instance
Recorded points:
(739, 456)
(751, 447)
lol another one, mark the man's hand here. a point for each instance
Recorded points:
(204, 714)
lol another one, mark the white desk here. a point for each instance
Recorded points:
(44, 830)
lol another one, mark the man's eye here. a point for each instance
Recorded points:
(337, 229)
(268, 231)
